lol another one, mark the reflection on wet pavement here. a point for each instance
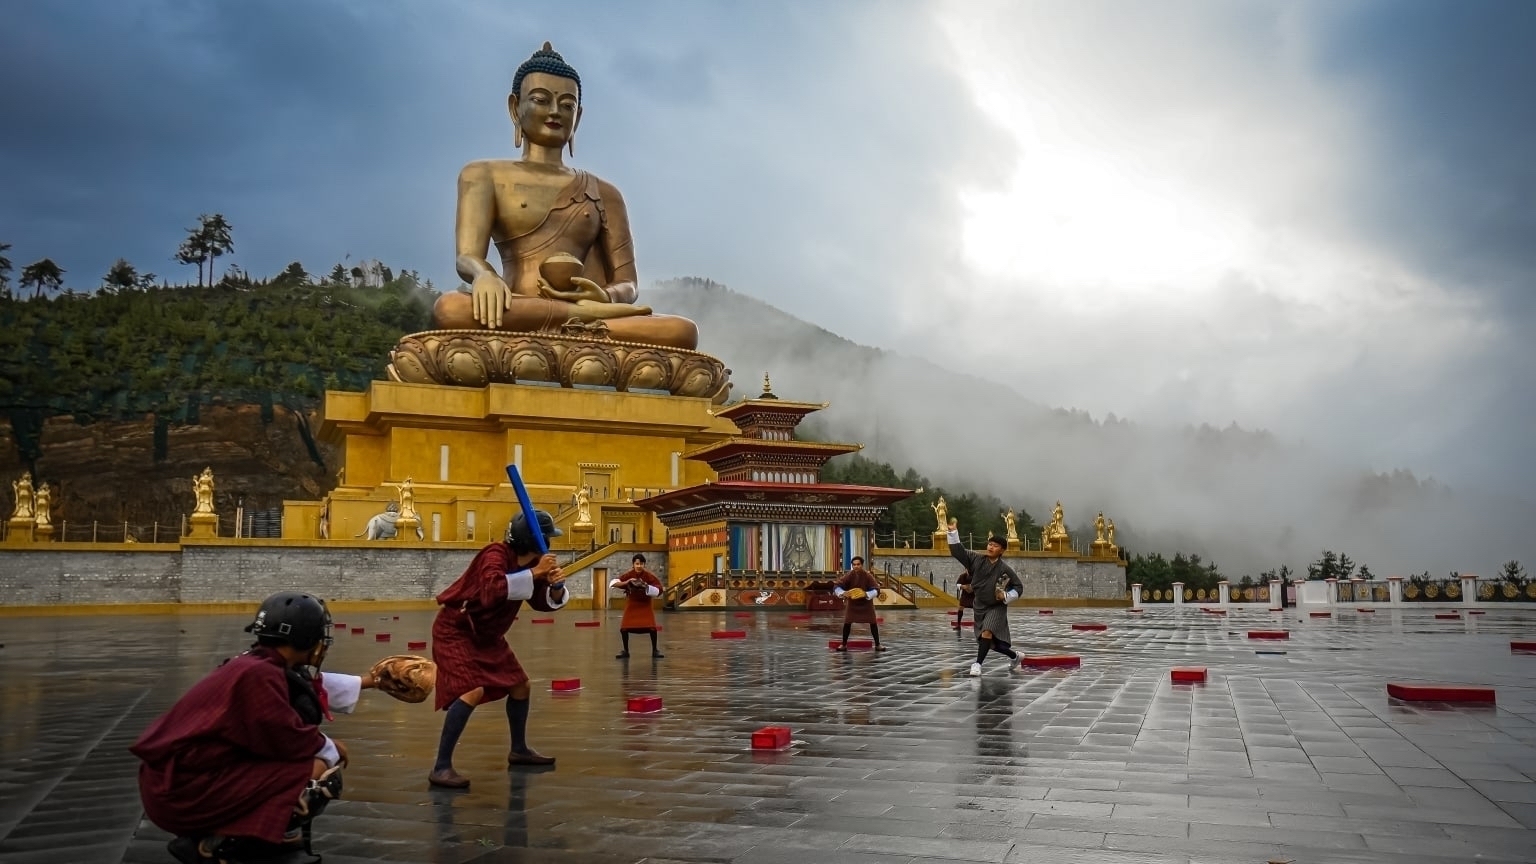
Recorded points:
(897, 757)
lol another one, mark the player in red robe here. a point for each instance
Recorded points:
(640, 585)
(861, 610)
(239, 762)
(469, 640)
(967, 597)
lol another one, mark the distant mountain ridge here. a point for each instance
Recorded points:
(1243, 498)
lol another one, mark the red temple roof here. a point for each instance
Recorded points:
(777, 493)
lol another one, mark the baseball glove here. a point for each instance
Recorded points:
(406, 677)
(855, 594)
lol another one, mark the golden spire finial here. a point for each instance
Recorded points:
(767, 385)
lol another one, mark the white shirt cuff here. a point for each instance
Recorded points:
(520, 585)
(837, 592)
(652, 590)
(954, 536)
(328, 753)
(342, 691)
(565, 596)
(616, 583)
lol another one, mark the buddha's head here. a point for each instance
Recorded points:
(545, 103)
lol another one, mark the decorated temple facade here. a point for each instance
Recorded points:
(767, 527)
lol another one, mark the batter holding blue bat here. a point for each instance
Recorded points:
(469, 637)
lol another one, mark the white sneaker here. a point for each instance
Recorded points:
(975, 670)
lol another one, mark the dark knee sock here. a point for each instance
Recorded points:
(874, 633)
(1004, 648)
(453, 726)
(982, 647)
(847, 628)
(653, 643)
(625, 637)
(517, 718)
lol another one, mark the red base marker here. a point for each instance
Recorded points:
(356, 631)
(565, 685)
(1366, 609)
(1090, 627)
(643, 704)
(1269, 634)
(1047, 611)
(853, 644)
(1520, 646)
(1477, 611)
(1209, 611)
(416, 646)
(1320, 614)
(589, 623)
(771, 738)
(1447, 616)
(381, 637)
(1135, 611)
(543, 621)
(339, 626)
(1052, 661)
(1188, 674)
(728, 634)
(1413, 692)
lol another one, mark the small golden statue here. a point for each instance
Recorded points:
(941, 510)
(583, 499)
(23, 491)
(1054, 536)
(407, 492)
(1098, 529)
(1012, 522)
(42, 510)
(1109, 528)
(202, 488)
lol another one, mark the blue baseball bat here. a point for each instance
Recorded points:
(528, 513)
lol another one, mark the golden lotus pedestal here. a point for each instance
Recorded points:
(578, 356)
(203, 525)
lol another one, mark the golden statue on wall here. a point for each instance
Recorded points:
(407, 492)
(583, 499)
(24, 498)
(941, 510)
(1054, 536)
(1012, 523)
(202, 489)
(42, 506)
(1098, 529)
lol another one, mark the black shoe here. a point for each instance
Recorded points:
(879, 647)
(621, 656)
(657, 655)
(843, 647)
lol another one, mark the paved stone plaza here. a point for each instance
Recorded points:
(898, 757)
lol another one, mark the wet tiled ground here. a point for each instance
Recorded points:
(898, 758)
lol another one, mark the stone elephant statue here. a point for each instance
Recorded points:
(382, 526)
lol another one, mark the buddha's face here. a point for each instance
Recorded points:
(546, 109)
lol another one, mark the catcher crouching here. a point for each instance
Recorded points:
(469, 640)
(239, 766)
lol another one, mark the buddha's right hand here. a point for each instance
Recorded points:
(490, 298)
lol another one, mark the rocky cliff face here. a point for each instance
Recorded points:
(107, 471)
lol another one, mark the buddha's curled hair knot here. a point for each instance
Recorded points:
(548, 61)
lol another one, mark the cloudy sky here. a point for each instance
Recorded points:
(1316, 218)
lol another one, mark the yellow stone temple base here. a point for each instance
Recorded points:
(1015, 545)
(941, 541)
(455, 443)
(18, 532)
(203, 525)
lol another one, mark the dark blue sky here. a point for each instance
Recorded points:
(814, 155)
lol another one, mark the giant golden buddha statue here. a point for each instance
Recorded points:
(562, 308)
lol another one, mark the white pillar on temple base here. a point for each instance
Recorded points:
(1224, 592)
(1178, 594)
(1468, 588)
(1354, 590)
(1136, 596)
(1276, 594)
(1395, 589)
(1333, 590)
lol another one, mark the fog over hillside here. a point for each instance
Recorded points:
(1240, 497)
